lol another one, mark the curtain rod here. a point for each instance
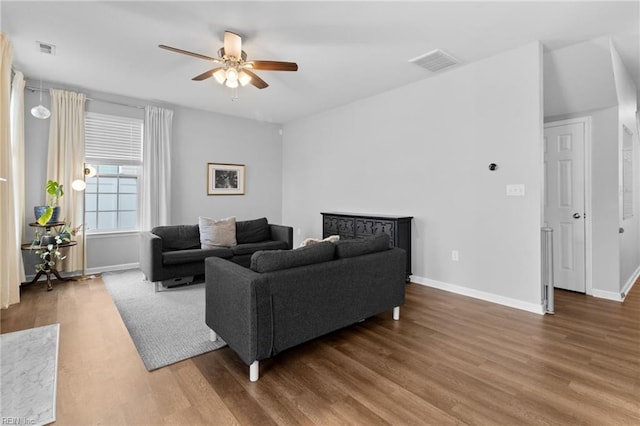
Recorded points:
(37, 89)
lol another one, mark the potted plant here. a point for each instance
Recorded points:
(49, 251)
(50, 212)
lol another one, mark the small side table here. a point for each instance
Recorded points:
(47, 270)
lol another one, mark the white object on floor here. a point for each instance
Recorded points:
(28, 374)
(254, 371)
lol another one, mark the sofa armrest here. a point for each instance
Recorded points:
(150, 255)
(238, 308)
(282, 233)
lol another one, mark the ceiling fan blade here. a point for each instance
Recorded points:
(232, 44)
(255, 80)
(205, 74)
(186, 52)
(274, 66)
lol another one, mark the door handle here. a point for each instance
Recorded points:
(576, 215)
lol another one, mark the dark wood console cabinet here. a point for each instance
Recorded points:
(356, 225)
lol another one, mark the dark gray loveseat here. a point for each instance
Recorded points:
(173, 254)
(289, 297)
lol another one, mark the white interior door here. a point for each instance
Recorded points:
(564, 145)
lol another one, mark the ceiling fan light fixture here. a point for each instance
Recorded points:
(220, 75)
(232, 74)
(244, 78)
(232, 83)
(234, 70)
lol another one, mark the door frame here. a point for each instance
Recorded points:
(588, 224)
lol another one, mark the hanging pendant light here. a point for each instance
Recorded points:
(40, 111)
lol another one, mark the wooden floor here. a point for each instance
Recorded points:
(449, 360)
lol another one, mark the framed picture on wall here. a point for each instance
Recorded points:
(225, 179)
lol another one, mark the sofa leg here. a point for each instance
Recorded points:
(396, 313)
(157, 286)
(254, 371)
(213, 336)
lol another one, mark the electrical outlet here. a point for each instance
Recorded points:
(299, 231)
(455, 256)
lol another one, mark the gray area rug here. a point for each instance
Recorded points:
(167, 326)
(29, 370)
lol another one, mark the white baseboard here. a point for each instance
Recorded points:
(609, 295)
(112, 268)
(90, 271)
(617, 297)
(478, 294)
(629, 285)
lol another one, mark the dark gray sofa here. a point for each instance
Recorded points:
(173, 254)
(289, 297)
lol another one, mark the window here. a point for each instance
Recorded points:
(113, 146)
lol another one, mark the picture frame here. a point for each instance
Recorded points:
(225, 179)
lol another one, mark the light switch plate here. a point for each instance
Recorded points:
(516, 190)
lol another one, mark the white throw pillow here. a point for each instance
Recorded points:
(309, 241)
(217, 233)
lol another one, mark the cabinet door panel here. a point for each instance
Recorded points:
(337, 225)
(368, 227)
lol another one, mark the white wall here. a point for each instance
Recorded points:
(198, 137)
(424, 150)
(579, 78)
(201, 137)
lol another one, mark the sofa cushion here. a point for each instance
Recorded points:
(250, 248)
(178, 237)
(252, 231)
(217, 233)
(274, 260)
(358, 247)
(179, 257)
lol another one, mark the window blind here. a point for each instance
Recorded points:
(113, 139)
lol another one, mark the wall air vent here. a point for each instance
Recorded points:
(435, 61)
(46, 48)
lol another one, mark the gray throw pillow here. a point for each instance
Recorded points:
(352, 248)
(274, 260)
(217, 233)
(178, 237)
(252, 231)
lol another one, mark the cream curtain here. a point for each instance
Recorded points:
(156, 175)
(66, 160)
(10, 254)
(17, 145)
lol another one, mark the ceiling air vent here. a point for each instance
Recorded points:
(435, 60)
(46, 48)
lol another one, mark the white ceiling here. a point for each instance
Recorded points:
(345, 50)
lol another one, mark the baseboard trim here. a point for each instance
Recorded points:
(609, 295)
(478, 294)
(91, 271)
(618, 297)
(629, 285)
(111, 268)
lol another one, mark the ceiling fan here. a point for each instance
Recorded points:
(234, 68)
